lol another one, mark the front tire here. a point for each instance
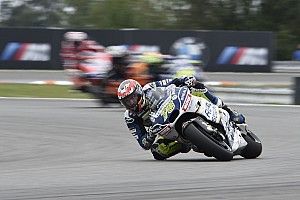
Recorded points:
(197, 138)
(253, 148)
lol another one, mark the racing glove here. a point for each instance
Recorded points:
(152, 132)
(189, 81)
(148, 140)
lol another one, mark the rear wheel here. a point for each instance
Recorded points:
(218, 149)
(253, 148)
(103, 97)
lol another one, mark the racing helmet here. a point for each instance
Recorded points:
(73, 36)
(131, 95)
(119, 54)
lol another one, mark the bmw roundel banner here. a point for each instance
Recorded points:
(241, 51)
(26, 52)
(243, 56)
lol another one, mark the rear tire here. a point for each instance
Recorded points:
(197, 138)
(253, 148)
(103, 98)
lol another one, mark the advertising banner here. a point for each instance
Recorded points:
(237, 51)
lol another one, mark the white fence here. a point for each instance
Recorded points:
(286, 66)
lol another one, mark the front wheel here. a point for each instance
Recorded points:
(213, 148)
(253, 148)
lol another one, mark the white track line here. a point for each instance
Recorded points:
(71, 99)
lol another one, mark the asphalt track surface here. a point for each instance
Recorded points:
(76, 150)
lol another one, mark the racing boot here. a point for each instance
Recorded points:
(238, 118)
(164, 148)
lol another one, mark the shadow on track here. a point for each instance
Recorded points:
(188, 160)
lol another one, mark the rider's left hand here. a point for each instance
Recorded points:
(189, 81)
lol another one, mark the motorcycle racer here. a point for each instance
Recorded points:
(74, 45)
(139, 103)
(81, 56)
(120, 61)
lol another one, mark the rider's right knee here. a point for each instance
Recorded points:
(163, 149)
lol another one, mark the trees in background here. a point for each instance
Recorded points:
(280, 16)
(34, 13)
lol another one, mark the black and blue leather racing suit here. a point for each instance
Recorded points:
(139, 123)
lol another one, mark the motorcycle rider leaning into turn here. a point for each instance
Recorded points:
(136, 99)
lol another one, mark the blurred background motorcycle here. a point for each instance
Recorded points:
(98, 70)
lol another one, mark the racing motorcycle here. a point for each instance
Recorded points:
(180, 115)
(90, 70)
(106, 92)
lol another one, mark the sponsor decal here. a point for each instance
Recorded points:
(167, 109)
(183, 94)
(187, 102)
(243, 56)
(129, 120)
(174, 96)
(165, 131)
(127, 117)
(160, 129)
(210, 112)
(162, 109)
(16, 51)
(156, 129)
(164, 82)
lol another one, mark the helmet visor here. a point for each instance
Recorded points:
(131, 102)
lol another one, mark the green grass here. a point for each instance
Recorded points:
(39, 91)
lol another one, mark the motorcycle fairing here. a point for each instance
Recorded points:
(165, 107)
(170, 102)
